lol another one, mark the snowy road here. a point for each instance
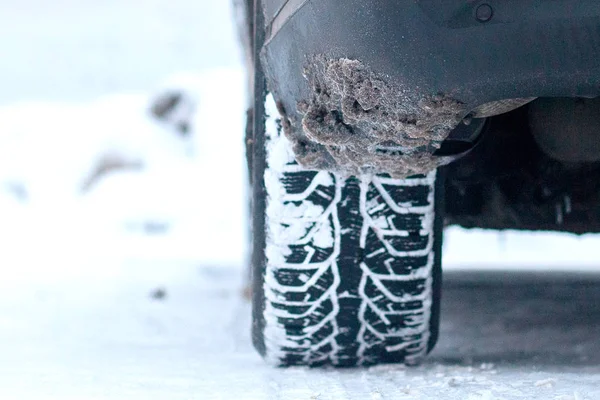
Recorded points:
(504, 336)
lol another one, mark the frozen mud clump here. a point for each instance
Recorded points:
(357, 123)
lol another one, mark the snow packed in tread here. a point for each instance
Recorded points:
(359, 304)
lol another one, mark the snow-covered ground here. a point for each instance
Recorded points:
(110, 337)
(129, 284)
(80, 49)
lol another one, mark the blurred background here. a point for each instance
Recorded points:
(121, 138)
(120, 134)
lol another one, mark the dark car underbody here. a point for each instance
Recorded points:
(508, 179)
(508, 182)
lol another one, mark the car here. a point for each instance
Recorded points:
(375, 124)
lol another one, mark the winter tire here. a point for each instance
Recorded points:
(348, 270)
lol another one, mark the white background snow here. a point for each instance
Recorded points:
(81, 269)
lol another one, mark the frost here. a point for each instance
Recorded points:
(358, 123)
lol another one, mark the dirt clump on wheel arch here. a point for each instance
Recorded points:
(356, 123)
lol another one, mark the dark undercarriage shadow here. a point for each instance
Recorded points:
(534, 319)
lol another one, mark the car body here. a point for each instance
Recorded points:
(499, 98)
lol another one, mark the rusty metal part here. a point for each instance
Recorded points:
(499, 107)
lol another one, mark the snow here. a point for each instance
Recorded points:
(107, 337)
(176, 184)
(81, 266)
(81, 49)
(518, 250)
